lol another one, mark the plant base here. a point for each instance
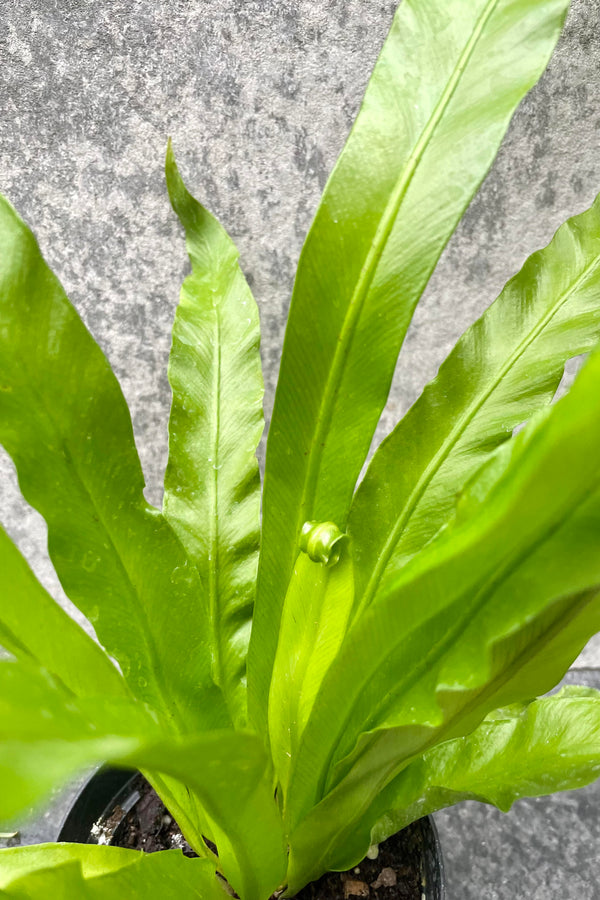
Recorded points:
(120, 808)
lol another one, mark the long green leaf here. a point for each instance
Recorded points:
(34, 626)
(93, 872)
(212, 485)
(47, 735)
(552, 744)
(515, 577)
(64, 421)
(358, 800)
(504, 367)
(315, 616)
(231, 775)
(438, 103)
(94, 859)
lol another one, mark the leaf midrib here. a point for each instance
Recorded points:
(374, 794)
(525, 656)
(489, 688)
(444, 733)
(368, 270)
(500, 574)
(456, 433)
(213, 552)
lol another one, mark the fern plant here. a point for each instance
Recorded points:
(299, 687)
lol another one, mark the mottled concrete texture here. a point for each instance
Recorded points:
(259, 96)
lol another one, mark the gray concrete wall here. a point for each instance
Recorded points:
(258, 96)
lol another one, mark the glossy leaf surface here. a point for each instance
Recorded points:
(552, 744)
(315, 616)
(46, 735)
(212, 485)
(231, 775)
(64, 421)
(491, 613)
(94, 859)
(505, 366)
(449, 77)
(33, 626)
(94, 872)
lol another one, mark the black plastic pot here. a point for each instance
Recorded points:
(106, 790)
(110, 794)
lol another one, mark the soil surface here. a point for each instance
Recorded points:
(395, 874)
(140, 821)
